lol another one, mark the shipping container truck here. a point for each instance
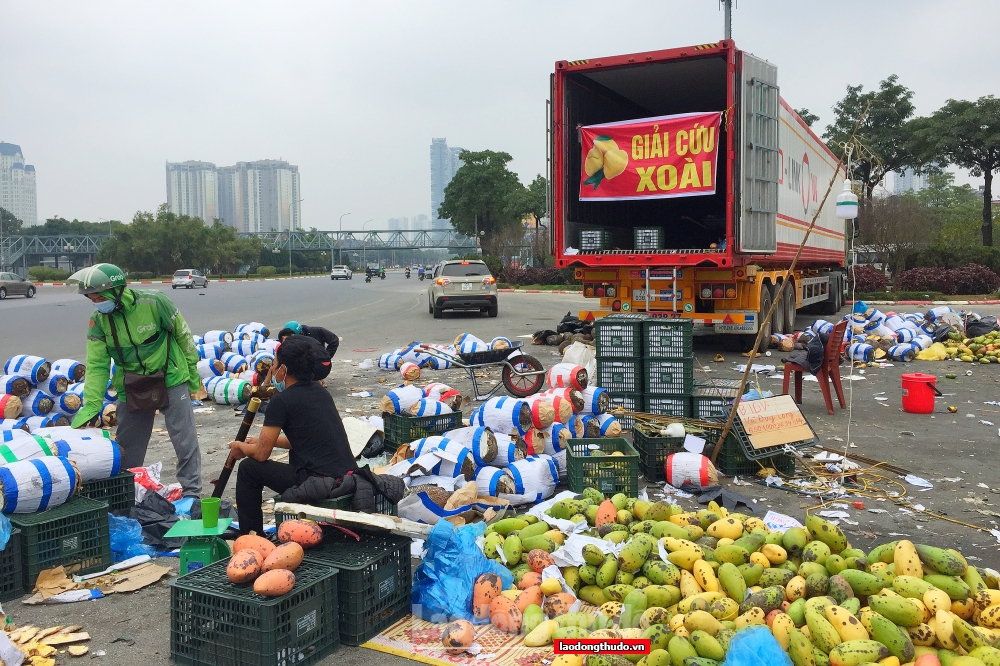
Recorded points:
(715, 258)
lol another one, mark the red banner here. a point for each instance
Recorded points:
(651, 158)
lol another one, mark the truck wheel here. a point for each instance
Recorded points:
(778, 318)
(831, 305)
(765, 305)
(789, 305)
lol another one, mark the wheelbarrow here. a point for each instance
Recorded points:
(522, 375)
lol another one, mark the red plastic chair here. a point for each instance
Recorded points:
(828, 373)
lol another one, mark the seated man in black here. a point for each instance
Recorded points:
(301, 418)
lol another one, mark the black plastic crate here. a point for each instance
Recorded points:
(668, 338)
(400, 429)
(11, 583)
(590, 464)
(117, 491)
(751, 453)
(214, 622)
(630, 402)
(375, 580)
(653, 449)
(708, 401)
(648, 238)
(667, 405)
(620, 375)
(619, 336)
(382, 506)
(72, 535)
(669, 376)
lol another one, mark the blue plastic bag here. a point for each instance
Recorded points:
(756, 646)
(4, 531)
(126, 539)
(443, 582)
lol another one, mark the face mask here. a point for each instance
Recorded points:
(280, 386)
(105, 307)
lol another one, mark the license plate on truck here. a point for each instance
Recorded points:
(728, 325)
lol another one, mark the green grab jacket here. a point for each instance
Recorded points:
(150, 317)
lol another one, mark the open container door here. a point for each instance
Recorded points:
(760, 163)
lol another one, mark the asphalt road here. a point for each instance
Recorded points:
(954, 452)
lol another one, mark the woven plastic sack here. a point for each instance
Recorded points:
(443, 582)
(756, 646)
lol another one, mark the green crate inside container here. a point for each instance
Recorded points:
(667, 405)
(400, 429)
(619, 336)
(669, 376)
(668, 338)
(653, 449)
(620, 375)
(214, 622)
(375, 580)
(72, 535)
(708, 401)
(382, 506)
(590, 463)
(11, 580)
(630, 402)
(118, 491)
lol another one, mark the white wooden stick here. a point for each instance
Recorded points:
(389, 523)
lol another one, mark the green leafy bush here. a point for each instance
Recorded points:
(48, 274)
(266, 271)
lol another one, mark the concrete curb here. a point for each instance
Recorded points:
(987, 302)
(294, 277)
(539, 291)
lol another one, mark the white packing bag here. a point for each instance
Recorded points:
(29, 486)
(535, 477)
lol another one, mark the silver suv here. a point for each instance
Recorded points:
(189, 278)
(462, 284)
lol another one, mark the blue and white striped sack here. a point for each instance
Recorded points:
(487, 479)
(213, 351)
(453, 458)
(13, 424)
(35, 423)
(470, 338)
(502, 415)
(110, 392)
(223, 338)
(821, 326)
(244, 347)
(411, 354)
(55, 384)
(399, 400)
(198, 339)
(429, 407)
(427, 444)
(555, 436)
(62, 403)
(7, 383)
(260, 360)
(388, 361)
(506, 450)
(500, 342)
(234, 362)
(420, 508)
(537, 475)
(18, 445)
(607, 422)
(25, 366)
(30, 486)
(591, 399)
(36, 403)
(96, 455)
(470, 346)
(477, 438)
(210, 367)
(251, 328)
(67, 367)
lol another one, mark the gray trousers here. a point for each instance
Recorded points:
(135, 429)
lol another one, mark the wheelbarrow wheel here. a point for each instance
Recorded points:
(523, 386)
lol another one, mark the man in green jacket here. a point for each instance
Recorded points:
(149, 328)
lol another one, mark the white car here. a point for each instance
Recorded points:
(341, 272)
(189, 278)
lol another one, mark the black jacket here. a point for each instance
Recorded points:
(325, 337)
(362, 483)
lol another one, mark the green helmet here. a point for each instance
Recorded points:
(97, 278)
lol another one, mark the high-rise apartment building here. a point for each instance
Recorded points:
(398, 223)
(17, 185)
(444, 165)
(420, 222)
(908, 181)
(249, 196)
(192, 189)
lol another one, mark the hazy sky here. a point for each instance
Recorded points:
(100, 94)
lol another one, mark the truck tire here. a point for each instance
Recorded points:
(778, 318)
(790, 312)
(747, 340)
(832, 304)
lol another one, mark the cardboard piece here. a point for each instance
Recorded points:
(51, 582)
(359, 433)
(134, 579)
(773, 422)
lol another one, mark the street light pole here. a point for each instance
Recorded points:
(340, 241)
(291, 227)
(364, 247)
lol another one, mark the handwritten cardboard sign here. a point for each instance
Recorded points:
(773, 421)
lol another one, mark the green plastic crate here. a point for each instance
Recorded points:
(214, 622)
(619, 336)
(667, 405)
(620, 375)
(589, 464)
(118, 491)
(653, 450)
(732, 460)
(400, 429)
(72, 535)
(630, 402)
(382, 506)
(668, 338)
(669, 376)
(708, 401)
(11, 583)
(375, 580)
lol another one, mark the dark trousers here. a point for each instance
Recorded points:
(251, 479)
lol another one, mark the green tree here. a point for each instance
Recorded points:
(955, 208)
(533, 201)
(966, 134)
(60, 226)
(884, 131)
(484, 196)
(807, 116)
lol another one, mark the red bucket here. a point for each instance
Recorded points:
(918, 393)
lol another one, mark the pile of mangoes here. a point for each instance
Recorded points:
(689, 581)
(983, 349)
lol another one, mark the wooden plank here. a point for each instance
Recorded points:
(389, 523)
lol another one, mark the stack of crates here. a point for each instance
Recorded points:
(620, 366)
(669, 366)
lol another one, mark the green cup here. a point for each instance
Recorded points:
(210, 512)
